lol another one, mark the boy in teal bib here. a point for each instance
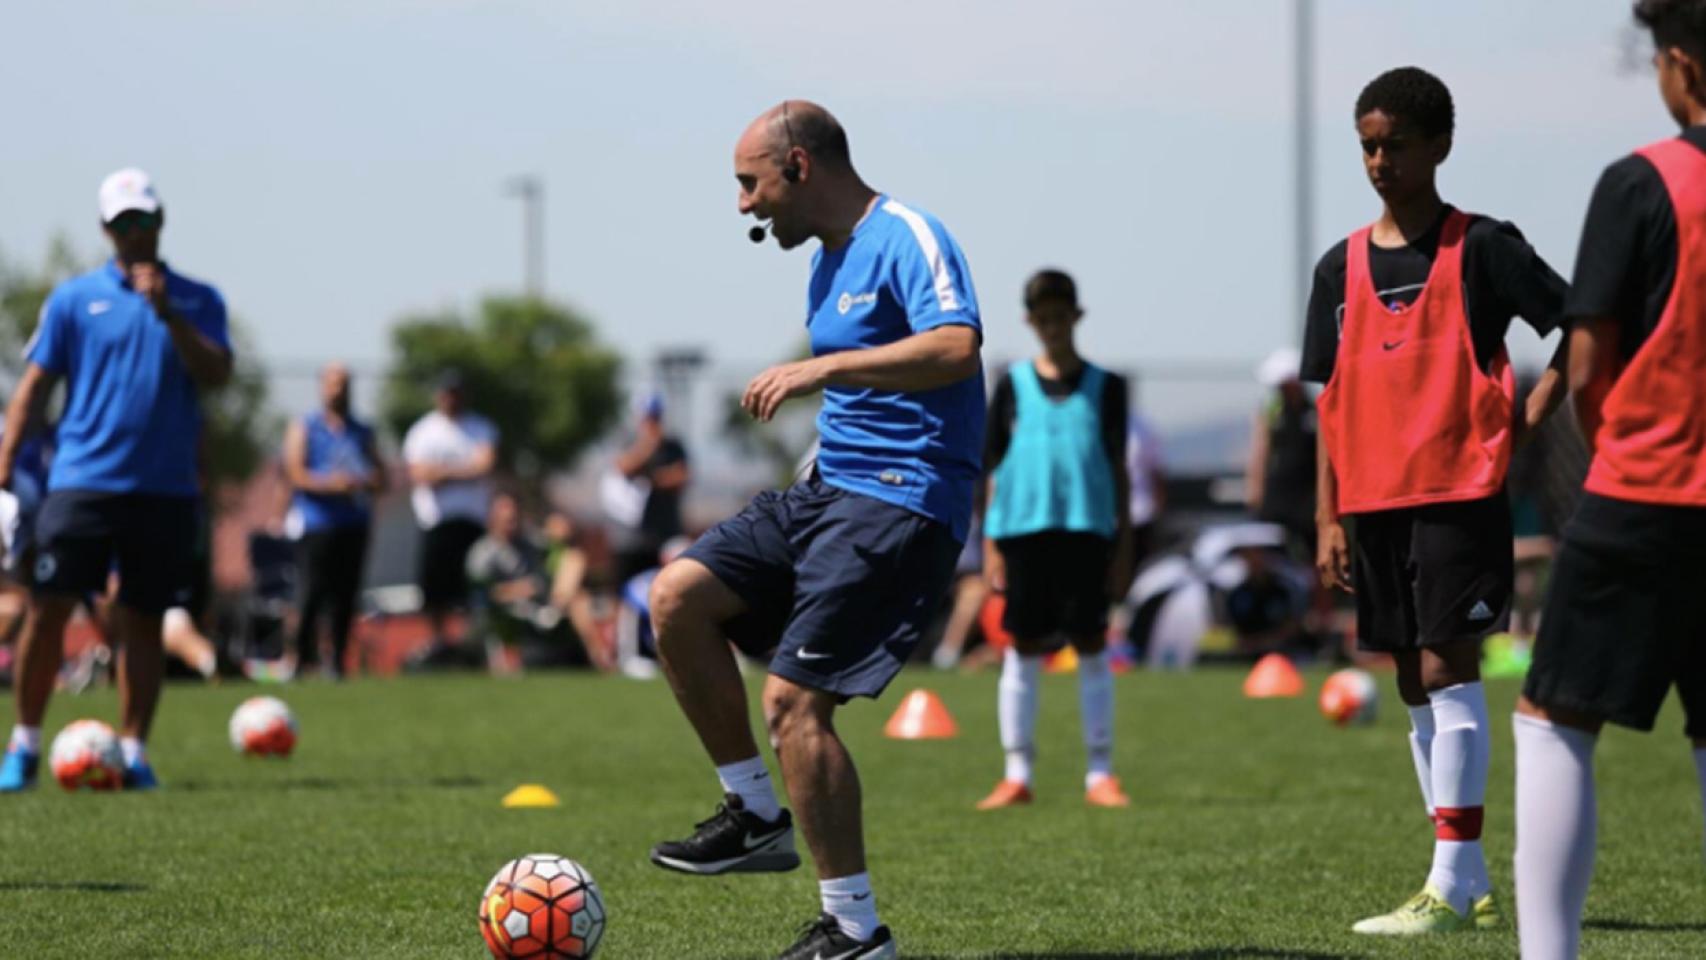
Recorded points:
(1057, 533)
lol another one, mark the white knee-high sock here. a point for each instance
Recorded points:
(1555, 834)
(1700, 771)
(1422, 751)
(1016, 708)
(1096, 707)
(1461, 750)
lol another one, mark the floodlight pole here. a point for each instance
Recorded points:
(531, 190)
(1303, 190)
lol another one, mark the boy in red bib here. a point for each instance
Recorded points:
(1406, 328)
(1626, 617)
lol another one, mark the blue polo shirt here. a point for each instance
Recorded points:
(900, 274)
(132, 418)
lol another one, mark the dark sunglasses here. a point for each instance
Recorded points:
(126, 223)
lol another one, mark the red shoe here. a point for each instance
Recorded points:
(1007, 793)
(1106, 792)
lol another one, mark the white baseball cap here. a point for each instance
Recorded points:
(1281, 366)
(126, 190)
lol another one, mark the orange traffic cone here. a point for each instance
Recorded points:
(921, 717)
(1273, 676)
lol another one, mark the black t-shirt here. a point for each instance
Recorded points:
(1503, 277)
(1002, 409)
(662, 517)
(1625, 267)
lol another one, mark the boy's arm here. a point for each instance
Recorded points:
(1333, 557)
(1593, 371)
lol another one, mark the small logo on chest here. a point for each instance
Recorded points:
(98, 307)
(850, 300)
(1391, 345)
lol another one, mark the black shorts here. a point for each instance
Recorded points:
(1432, 575)
(1626, 621)
(444, 562)
(1057, 586)
(84, 535)
(838, 586)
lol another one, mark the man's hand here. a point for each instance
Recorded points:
(775, 386)
(149, 280)
(1333, 556)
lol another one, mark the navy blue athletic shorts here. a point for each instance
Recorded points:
(838, 586)
(83, 535)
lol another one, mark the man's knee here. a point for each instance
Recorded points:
(688, 590)
(791, 710)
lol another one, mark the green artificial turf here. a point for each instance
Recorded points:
(1258, 830)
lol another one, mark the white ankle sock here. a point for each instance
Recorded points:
(850, 901)
(750, 780)
(133, 750)
(1421, 751)
(1556, 823)
(1461, 751)
(1096, 708)
(1700, 770)
(25, 738)
(1016, 709)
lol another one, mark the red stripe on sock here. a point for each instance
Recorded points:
(1457, 823)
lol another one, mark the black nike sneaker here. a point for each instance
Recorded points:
(823, 940)
(732, 841)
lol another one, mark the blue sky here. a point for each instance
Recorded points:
(332, 165)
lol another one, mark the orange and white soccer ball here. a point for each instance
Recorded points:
(1350, 696)
(86, 754)
(542, 907)
(263, 727)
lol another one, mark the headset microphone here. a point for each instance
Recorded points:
(756, 234)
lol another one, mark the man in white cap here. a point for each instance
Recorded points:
(135, 341)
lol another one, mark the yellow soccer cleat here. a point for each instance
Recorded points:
(1426, 912)
(1485, 915)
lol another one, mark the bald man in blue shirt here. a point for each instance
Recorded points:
(833, 579)
(134, 342)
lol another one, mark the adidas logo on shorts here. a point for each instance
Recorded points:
(1481, 611)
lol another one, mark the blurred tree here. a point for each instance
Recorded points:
(532, 367)
(241, 431)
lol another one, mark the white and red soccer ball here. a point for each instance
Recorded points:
(86, 754)
(542, 907)
(1350, 696)
(263, 727)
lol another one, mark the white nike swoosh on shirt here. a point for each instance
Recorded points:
(99, 307)
(803, 654)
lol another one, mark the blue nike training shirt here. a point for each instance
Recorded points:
(900, 274)
(132, 416)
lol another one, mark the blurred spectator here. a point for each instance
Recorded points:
(648, 514)
(333, 466)
(450, 454)
(969, 593)
(567, 565)
(1144, 465)
(512, 595)
(1280, 477)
